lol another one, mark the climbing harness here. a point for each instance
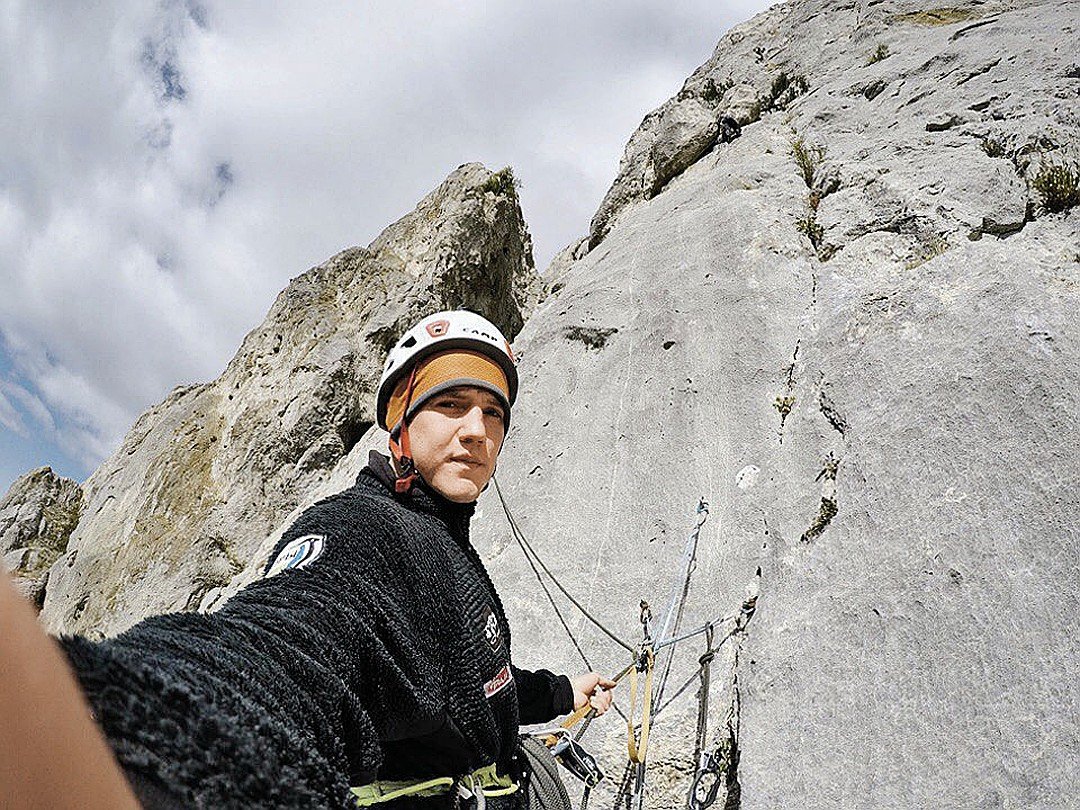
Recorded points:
(481, 784)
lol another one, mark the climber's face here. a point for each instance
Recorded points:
(455, 439)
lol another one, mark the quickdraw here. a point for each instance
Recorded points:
(708, 776)
(637, 746)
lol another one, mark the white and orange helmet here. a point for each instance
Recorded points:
(442, 351)
(441, 332)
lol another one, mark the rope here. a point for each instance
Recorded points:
(624, 786)
(697, 674)
(529, 553)
(703, 696)
(741, 619)
(704, 763)
(558, 612)
(645, 660)
(527, 547)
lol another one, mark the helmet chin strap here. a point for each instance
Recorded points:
(407, 473)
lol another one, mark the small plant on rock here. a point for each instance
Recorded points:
(1057, 185)
(809, 157)
(931, 248)
(826, 512)
(784, 90)
(710, 91)
(810, 160)
(784, 405)
(811, 228)
(501, 182)
(881, 53)
(994, 147)
(937, 16)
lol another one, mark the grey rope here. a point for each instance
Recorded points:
(525, 545)
(530, 556)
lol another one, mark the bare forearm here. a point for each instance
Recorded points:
(51, 752)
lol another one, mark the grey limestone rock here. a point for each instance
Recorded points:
(37, 516)
(743, 103)
(865, 359)
(205, 477)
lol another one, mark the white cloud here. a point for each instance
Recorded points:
(10, 417)
(164, 170)
(31, 405)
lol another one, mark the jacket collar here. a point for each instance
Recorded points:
(380, 475)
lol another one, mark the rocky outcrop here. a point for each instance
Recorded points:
(873, 93)
(37, 516)
(206, 476)
(851, 330)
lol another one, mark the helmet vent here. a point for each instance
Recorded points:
(409, 342)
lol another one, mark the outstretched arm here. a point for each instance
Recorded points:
(51, 752)
(543, 696)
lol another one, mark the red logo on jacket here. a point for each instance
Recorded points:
(499, 682)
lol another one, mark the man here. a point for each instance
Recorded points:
(371, 664)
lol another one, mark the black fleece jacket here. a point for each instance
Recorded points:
(376, 647)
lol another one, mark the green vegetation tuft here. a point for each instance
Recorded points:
(1057, 185)
(810, 160)
(830, 466)
(937, 16)
(709, 91)
(930, 249)
(809, 157)
(810, 227)
(783, 91)
(826, 512)
(593, 337)
(501, 182)
(994, 147)
(878, 55)
(784, 405)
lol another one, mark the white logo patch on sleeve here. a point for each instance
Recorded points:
(298, 553)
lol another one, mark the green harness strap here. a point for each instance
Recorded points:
(483, 779)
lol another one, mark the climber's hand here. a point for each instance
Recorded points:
(594, 689)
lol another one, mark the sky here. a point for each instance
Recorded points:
(166, 168)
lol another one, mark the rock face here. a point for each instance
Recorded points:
(852, 330)
(206, 476)
(37, 516)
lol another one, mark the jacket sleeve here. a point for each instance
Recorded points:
(362, 618)
(542, 695)
(293, 683)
